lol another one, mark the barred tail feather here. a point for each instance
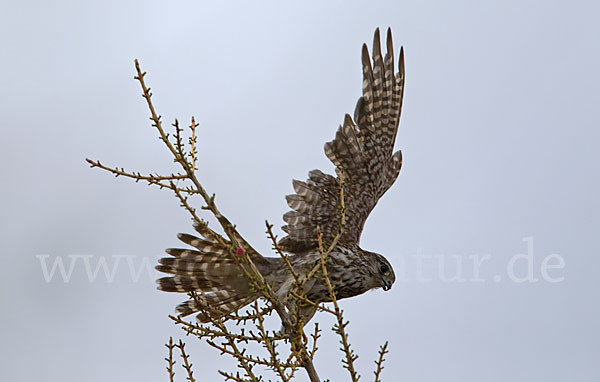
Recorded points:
(209, 270)
(220, 303)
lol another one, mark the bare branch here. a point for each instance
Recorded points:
(340, 327)
(283, 256)
(170, 361)
(315, 336)
(186, 364)
(192, 141)
(151, 179)
(379, 362)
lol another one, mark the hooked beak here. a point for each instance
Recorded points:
(386, 285)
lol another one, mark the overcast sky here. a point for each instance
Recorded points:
(499, 132)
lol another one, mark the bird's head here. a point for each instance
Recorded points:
(381, 271)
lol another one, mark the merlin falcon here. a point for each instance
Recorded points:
(363, 150)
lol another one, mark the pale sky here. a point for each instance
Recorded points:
(499, 134)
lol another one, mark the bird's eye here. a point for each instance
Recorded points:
(384, 269)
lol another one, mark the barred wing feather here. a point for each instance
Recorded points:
(363, 149)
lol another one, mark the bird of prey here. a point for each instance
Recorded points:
(363, 150)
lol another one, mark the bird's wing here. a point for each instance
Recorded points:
(363, 150)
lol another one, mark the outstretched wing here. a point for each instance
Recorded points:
(363, 150)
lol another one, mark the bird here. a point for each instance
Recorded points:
(362, 152)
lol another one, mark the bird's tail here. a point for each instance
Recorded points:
(208, 270)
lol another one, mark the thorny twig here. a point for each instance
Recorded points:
(169, 359)
(382, 352)
(186, 363)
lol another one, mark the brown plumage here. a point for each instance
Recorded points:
(363, 148)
